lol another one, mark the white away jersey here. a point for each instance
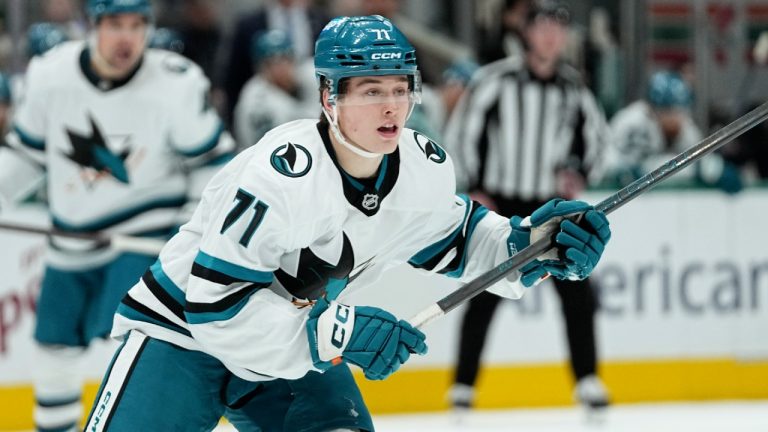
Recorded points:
(263, 106)
(116, 153)
(639, 144)
(281, 223)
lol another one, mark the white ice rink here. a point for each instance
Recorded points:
(736, 416)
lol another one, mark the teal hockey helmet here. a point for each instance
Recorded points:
(668, 90)
(460, 72)
(363, 46)
(96, 9)
(43, 36)
(272, 43)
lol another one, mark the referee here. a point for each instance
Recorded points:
(528, 130)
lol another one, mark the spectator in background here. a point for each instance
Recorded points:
(436, 50)
(649, 132)
(167, 39)
(526, 130)
(273, 95)
(499, 38)
(297, 18)
(201, 34)
(64, 14)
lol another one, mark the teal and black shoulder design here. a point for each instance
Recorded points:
(291, 160)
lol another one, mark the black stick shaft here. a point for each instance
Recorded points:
(608, 205)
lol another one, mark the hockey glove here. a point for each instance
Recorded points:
(366, 336)
(577, 248)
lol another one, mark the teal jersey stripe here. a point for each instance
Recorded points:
(382, 172)
(171, 288)
(233, 270)
(206, 146)
(29, 140)
(121, 216)
(439, 247)
(475, 218)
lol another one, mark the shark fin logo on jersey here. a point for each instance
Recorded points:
(91, 152)
(292, 160)
(434, 152)
(370, 201)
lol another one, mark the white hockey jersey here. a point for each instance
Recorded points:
(283, 221)
(116, 155)
(639, 145)
(263, 106)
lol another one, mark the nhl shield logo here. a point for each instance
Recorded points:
(370, 201)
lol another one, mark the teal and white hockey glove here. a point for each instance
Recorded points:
(578, 247)
(366, 336)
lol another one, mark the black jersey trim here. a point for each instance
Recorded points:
(370, 198)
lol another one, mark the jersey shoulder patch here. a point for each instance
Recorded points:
(291, 160)
(431, 151)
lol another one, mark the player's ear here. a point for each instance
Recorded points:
(324, 94)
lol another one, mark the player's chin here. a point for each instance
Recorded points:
(387, 145)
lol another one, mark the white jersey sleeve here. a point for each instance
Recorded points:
(197, 129)
(464, 240)
(22, 162)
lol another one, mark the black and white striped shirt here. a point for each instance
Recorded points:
(511, 132)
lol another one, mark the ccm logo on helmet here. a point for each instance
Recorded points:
(386, 56)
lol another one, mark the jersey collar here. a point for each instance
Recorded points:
(365, 195)
(96, 80)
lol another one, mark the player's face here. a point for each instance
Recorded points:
(671, 121)
(121, 40)
(547, 38)
(373, 111)
(281, 71)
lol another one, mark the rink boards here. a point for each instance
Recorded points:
(683, 288)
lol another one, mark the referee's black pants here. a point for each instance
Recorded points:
(577, 299)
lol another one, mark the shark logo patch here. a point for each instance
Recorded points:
(91, 152)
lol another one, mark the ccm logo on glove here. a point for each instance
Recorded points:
(333, 330)
(339, 332)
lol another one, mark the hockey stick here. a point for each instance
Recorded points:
(608, 205)
(122, 243)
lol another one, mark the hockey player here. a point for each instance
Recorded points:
(242, 316)
(116, 130)
(652, 130)
(277, 80)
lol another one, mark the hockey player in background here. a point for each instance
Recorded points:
(275, 94)
(242, 313)
(118, 132)
(652, 130)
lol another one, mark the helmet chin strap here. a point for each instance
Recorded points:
(334, 123)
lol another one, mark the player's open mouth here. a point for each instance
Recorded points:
(388, 130)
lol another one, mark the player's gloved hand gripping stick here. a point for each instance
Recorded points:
(366, 336)
(579, 234)
(538, 247)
